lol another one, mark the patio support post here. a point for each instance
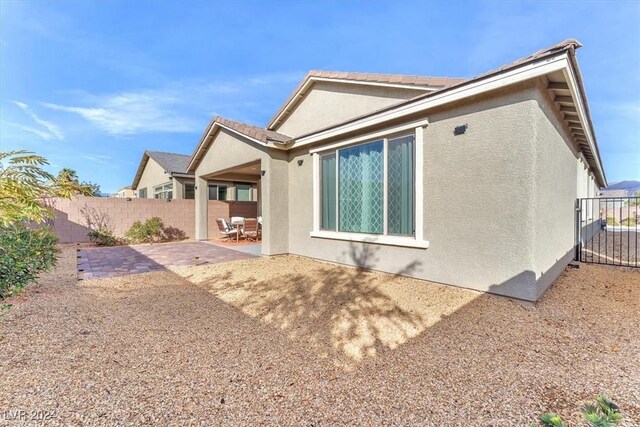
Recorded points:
(202, 205)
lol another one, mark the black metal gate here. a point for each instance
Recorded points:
(607, 231)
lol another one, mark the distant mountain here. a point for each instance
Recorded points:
(630, 186)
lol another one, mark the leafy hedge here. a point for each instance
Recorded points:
(149, 231)
(24, 253)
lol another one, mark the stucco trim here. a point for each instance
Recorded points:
(517, 75)
(407, 242)
(373, 135)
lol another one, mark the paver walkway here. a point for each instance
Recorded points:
(135, 259)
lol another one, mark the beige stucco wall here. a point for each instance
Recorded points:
(559, 178)
(498, 200)
(330, 103)
(229, 150)
(152, 176)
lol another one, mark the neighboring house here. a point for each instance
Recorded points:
(125, 192)
(465, 182)
(163, 175)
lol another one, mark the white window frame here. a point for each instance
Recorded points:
(415, 241)
(160, 189)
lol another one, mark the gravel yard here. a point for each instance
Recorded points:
(613, 247)
(288, 341)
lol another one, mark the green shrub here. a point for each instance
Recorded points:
(24, 253)
(604, 413)
(629, 221)
(103, 237)
(148, 232)
(611, 220)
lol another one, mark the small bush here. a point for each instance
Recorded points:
(103, 237)
(611, 220)
(602, 413)
(170, 234)
(148, 232)
(24, 253)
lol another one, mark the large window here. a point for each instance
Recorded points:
(217, 192)
(369, 188)
(164, 191)
(189, 191)
(244, 192)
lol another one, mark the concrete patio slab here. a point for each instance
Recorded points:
(251, 249)
(135, 259)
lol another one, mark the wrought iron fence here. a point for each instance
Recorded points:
(607, 231)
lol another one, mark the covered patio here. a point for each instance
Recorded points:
(240, 183)
(233, 152)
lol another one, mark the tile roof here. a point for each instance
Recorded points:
(558, 47)
(400, 79)
(171, 162)
(410, 81)
(564, 45)
(255, 132)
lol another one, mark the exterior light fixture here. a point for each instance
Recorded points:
(460, 130)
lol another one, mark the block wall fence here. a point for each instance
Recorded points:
(76, 217)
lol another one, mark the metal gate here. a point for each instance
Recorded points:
(607, 231)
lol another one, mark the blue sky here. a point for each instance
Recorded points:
(91, 85)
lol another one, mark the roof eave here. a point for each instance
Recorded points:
(141, 166)
(580, 83)
(554, 60)
(214, 125)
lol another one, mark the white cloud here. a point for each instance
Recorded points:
(42, 134)
(133, 113)
(101, 159)
(52, 129)
(179, 107)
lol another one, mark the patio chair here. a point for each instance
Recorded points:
(251, 230)
(226, 230)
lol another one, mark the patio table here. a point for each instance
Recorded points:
(237, 223)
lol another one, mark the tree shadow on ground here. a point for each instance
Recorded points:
(344, 313)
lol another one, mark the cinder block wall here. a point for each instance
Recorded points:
(76, 217)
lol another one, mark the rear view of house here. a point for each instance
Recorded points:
(465, 182)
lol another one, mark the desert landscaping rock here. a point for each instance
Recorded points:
(292, 341)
